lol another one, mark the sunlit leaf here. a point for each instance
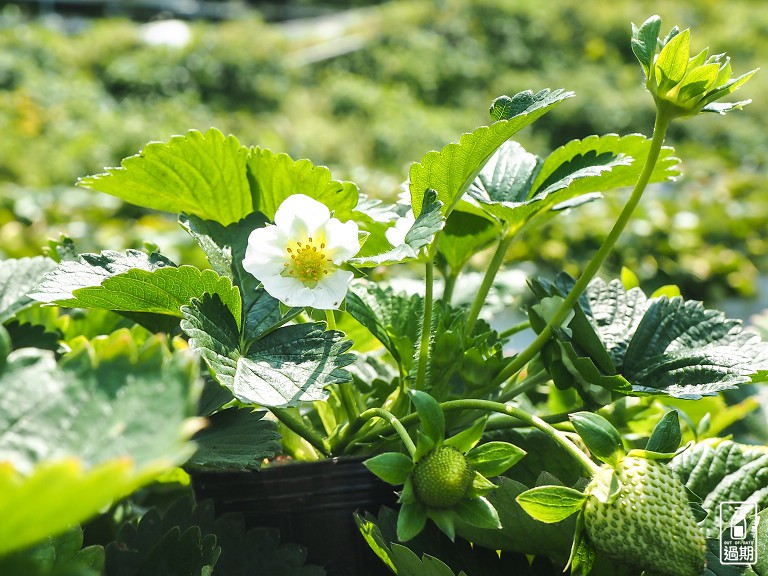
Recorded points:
(274, 177)
(451, 170)
(235, 438)
(720, 470)
(287, 366)
(17, 278)
(202, 174)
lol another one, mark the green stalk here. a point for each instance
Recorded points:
(530, 419)
(529, 383)
(449, 285)
(330, 319)
(512, 330)
(297, 425)
(485, 287)
(659, 132)
(426, 325)
(348, 434)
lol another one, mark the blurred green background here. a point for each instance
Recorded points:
(367, 89)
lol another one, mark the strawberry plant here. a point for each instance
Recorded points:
(296, 342)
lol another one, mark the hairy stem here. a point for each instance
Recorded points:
(489, 406)
(426, 324)
(659, 131)
(348, 434)
(485, 287)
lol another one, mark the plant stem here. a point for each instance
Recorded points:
(512, 330)
(289, 418)
(449, 285)
(330, 319)
(426, 325)
(485, 287)
(531, 420)
(659, 131)
(530, 382)
(355, 425)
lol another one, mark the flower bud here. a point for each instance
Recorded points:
(680, 84)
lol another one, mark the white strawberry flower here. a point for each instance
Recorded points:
(297, 259)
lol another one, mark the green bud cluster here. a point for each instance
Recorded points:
(681, 84)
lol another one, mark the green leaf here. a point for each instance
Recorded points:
(106, 421)
(599, 435)
(392, 467)
(459, 555)
(243, 550)
(672, 62)
(507, 176)
(697, 82)
(464, 235)
(160, 291)
(430, 414)
(682, 349)
(645, 40)
(17, 278)
(422, 233)
(583, 553)
(56, 556)
(91, 270)
(478, 512)
(175, 542)
(202, 174)
(728, 88)
(225, 248)
(516, 186)
(55, 495)
(235, 438)
(411, 520)
(465, 440)
(494, 458)
(580, 165)
(719, 470)
(287, 366)
(409, 563)
(662, 345)
(451, 170)
(274, 177)
(109, 398)
(27, 335)
(388, 316)
(666, 435)
(551, 504)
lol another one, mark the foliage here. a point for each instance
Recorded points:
(422, 76)
(120, 366)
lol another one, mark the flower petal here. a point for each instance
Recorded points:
(331, 290)
(300, 216)
(265, 253)
(290, 291)
(341, 240)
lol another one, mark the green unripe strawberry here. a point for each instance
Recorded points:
(442, 477)
(649, 524)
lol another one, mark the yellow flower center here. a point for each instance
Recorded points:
(308, 262)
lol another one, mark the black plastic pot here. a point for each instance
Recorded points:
(311, 503)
